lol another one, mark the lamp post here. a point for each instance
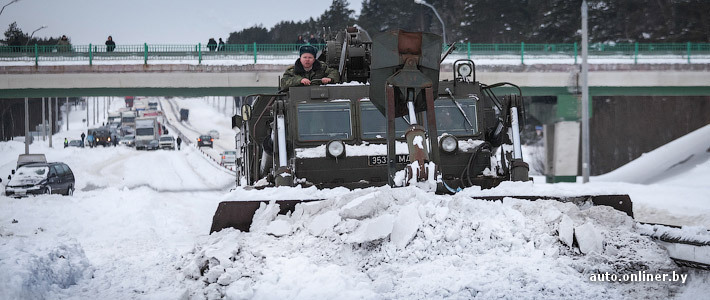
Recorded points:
(443, 27)
(586, 163)
(33, 33)
(11, 2)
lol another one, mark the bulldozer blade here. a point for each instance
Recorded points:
(239, 214)
(618, 202)
(686, 248)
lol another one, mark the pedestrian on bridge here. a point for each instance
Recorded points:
(66, 143)
(179, 141)
(221, 45)
(212, 44)
(63, 44)
(82, 139)
(110, 44)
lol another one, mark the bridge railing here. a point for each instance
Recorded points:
(254, 52)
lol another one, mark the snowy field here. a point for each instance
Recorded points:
(137, 228)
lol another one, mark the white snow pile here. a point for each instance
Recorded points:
(33, 268)
(383, 243)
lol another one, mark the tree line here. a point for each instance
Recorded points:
(507, 21)
(14, 36)
(487, 21)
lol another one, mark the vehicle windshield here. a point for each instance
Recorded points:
(29, 175)
(129, 137)
(166, 139)
(374, 124)
(205, 137)
(324, 121)
(230, 152)
(144, 131)
(128, 119)
(449, 118)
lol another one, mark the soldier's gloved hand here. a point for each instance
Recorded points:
(326, 80)
(305, 81)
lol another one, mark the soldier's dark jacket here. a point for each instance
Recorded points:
(294, 74)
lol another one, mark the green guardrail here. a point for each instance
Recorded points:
(254, 52)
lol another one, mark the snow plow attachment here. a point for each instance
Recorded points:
(239, 214)
(619, 202)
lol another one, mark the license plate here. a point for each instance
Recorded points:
(377, 160)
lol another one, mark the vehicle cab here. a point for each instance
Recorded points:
(335, 136)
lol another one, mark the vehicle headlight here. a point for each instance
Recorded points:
(335, 148)
(449, 143)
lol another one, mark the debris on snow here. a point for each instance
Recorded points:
(566, 230)
(405, 226)
(589, 239)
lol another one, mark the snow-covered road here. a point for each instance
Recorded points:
(137, 227)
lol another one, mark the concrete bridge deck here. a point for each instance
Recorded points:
(216, 80)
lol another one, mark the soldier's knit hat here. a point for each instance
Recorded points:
(307, 49)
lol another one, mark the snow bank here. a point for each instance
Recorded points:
(34, 268)
(404, 243)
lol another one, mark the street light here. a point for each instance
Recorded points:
(33, 33)
(11, 2)
(443, 27)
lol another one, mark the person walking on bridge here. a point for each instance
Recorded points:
(63, 44)
(221, 45)
(212, 44)
(82, 139)
(179, 141)
(110, 44)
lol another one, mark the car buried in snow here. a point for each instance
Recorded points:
(41, 178)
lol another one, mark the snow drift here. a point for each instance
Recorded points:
(404, 243)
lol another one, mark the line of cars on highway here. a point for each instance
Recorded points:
(226, 158)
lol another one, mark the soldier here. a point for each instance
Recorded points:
(307, 69)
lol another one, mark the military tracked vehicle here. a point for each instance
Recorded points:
(390, 121)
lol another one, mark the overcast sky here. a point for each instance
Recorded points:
(154, 21)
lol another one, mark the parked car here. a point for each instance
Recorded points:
(167, 142)
(41, 178)
(75, 143)
(128, 140)
(153, 145)
(228, 158)
(205, 140)
(213, 133)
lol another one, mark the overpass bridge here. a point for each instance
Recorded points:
(240, 69)
(238, 80)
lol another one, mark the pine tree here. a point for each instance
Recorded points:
(337, 17)
(255, 34)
